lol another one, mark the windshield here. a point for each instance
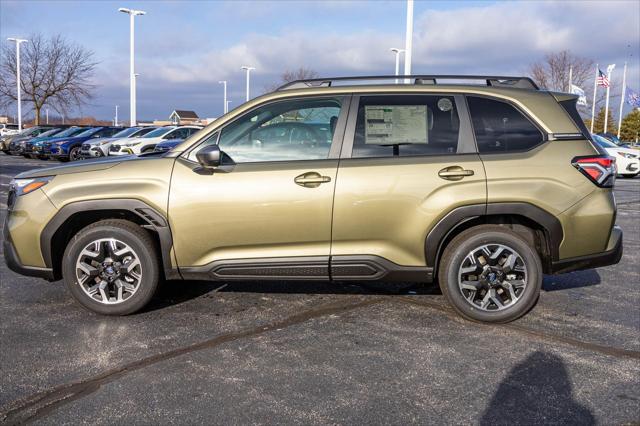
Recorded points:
(158, 132)
(603, 142)
(141, 132)
(88, 132)
(126, 132)
(49, 133)
(31, 131)
(69, 132)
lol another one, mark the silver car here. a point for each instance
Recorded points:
(100, 147)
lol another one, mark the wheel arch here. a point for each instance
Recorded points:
(537, 226)
(75, 216)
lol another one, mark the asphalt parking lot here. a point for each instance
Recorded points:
(316, 353)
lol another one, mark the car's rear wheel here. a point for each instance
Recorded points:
(111, 268)
(490, 274)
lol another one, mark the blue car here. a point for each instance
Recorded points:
(165, 146)
(68, 149)
(34, 148)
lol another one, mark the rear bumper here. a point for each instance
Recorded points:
(611, 256)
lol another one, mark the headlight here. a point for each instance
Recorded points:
(625, 155)
(60, 142)
(132, 143)
(104, 142)
(25, 186)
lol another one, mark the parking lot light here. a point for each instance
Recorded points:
(224, 106)
(397, 52)
(248, 70)
(18, 41)
(132, 13)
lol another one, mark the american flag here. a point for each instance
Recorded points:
(602, 79)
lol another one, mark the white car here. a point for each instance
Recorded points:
(149, 141)
(100, 147)
(627, 159)
(8, 129)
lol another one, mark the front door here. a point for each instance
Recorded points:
(267, 212)
(408, 160)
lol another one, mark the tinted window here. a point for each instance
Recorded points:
(282, 131)
(500, 127)
(406, 125)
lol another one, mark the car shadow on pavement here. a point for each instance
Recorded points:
(176, 292)
(536, 391)
(571, 280)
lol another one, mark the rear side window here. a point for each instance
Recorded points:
(406, 125)
(500, 127)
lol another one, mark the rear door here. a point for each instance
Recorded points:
(407, 161)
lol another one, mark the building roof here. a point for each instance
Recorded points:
(184, 114)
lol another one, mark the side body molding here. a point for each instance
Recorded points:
(460, 215)
(153, 220)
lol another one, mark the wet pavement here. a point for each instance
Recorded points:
(318, 353)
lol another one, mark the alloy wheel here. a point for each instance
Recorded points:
(492, 277)
(108, 271)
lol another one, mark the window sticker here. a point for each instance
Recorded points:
(395, 124)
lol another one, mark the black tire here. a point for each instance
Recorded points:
(134, 236)
(468, 240)
(74, 154)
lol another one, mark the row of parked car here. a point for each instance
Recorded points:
(71, 143)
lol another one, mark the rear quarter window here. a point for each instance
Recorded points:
(500, 128)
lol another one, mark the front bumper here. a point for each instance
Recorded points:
(13, 262)
(610, 256)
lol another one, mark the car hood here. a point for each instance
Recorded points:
(625, 150)
(84, 166)
(100, 140)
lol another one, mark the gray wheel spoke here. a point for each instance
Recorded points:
(101, 274)
(488, 269)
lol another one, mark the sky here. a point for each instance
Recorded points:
(183, 48)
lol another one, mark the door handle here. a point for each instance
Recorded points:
(454, 173)
(311, 179)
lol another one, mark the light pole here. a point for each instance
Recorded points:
(248, 69)
(397, 52)
(408, 41)
(18, 41)
(115, 122)
(132, 13)
(224, 105)
(47, 111)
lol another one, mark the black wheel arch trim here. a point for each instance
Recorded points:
(458, 216)
(152, 218)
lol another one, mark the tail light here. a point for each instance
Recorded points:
(600, 169)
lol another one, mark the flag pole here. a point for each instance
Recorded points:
(570, 78)
(624, 87)
(606, 102)
(593, 105)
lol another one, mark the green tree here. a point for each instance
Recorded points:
(630, 128)
(598, 123)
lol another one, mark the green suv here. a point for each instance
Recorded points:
(481, 183)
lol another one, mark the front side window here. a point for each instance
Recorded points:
(500, 127)
(406, 125)
(292, 130)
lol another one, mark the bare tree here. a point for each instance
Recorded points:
(53, 72)
(552, 72)
(288, 76)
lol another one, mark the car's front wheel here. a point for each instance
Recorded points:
(490, 274)
(74, 154)
(111, 268)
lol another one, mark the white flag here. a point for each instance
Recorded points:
(582, 98)
(610, 68)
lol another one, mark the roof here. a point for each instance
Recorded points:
(185, 114)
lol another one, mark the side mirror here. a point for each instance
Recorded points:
(209, 156)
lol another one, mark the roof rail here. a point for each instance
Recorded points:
(494, 81)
